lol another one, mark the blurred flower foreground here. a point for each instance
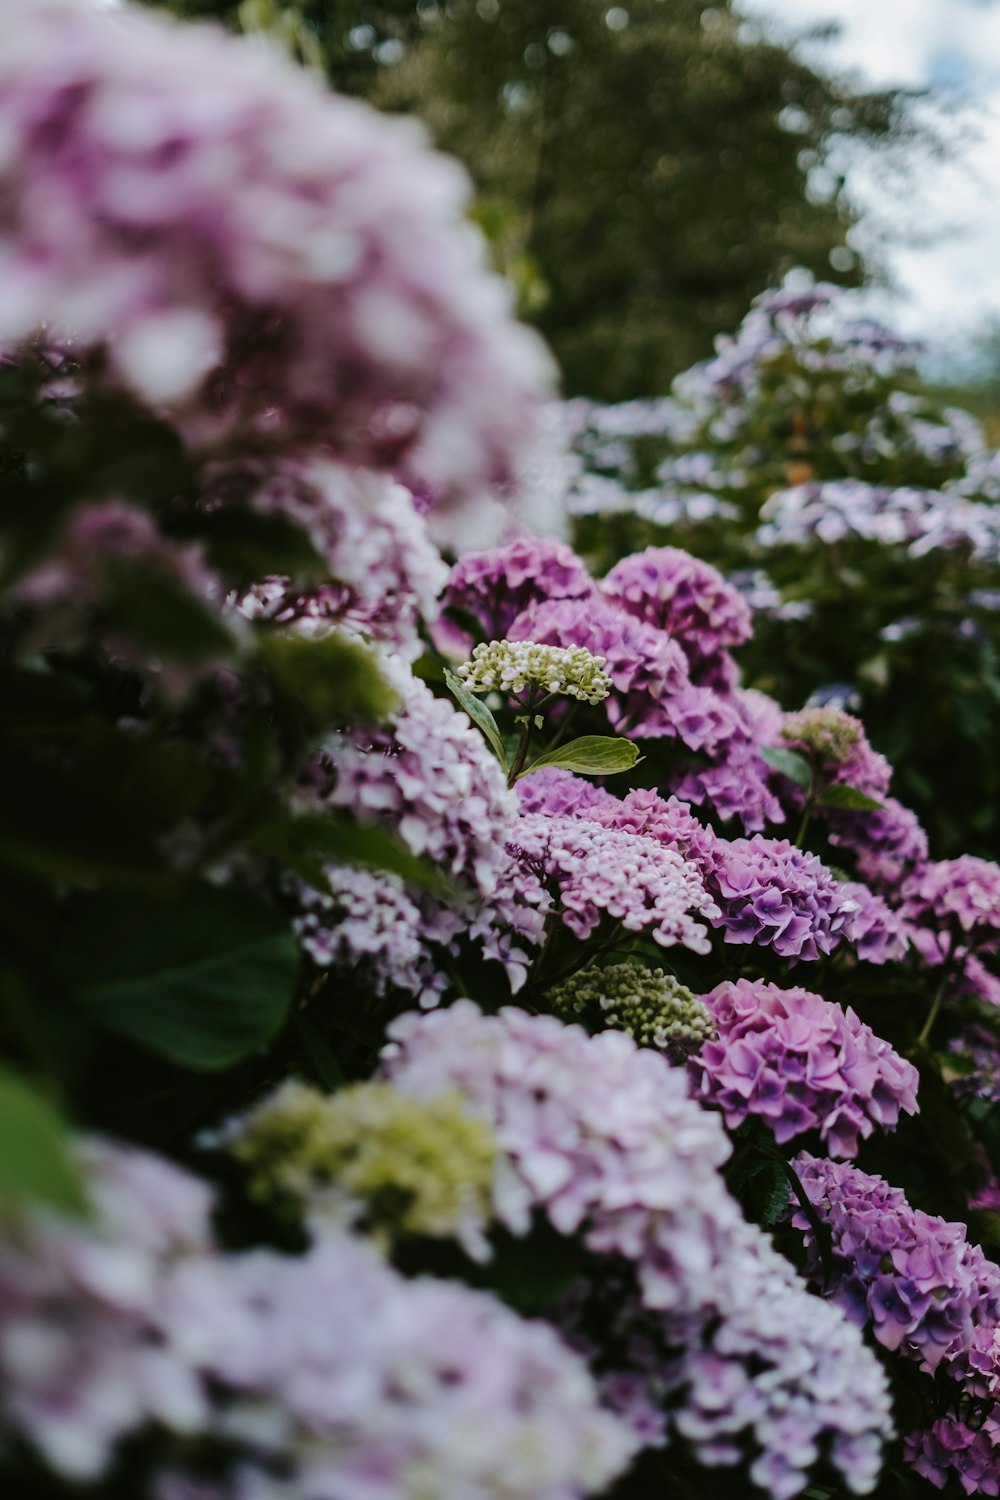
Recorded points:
(508, 1025)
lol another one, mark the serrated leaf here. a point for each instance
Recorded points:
(841, 795)
(590, 755)
(316, 838)
(206, 980)
(789, 764)
(35, 1164)
(479, 714)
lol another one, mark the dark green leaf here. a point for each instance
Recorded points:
(327, 681)
(245, 545)
(795, 767)
(479, 714)
(839, 795)
(332, 837)
(35, 1163)
(205, 981)
(590, 755)
(165, 618)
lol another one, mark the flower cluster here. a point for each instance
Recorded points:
(561, 794)
(958, 900)
(383, 572)
(272, 262)
(583, 873)
(600, 1136)
(368, 1157)
(800, 1063)
(689, 600)
(495, 587)
(776, 895)
(516, 668)
(920, 521)
(320, 1368)
(952, 1446)
(654, 1008)
(916, 1278)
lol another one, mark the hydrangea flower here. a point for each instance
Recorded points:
(519, 668)
(324, 1368)
(916, 1279)
(496, 586)
(690, 601)
(667, 820)
(600, 1136)
(954, 906)
(647, 670)
(560, 793)
(384, 571)
(270, 262)
(583, 873)
(951, 1447)
(654, 1008)
(369, 1157)
(771, 893)
(888, 843)
(800, 1063)
(836, 742)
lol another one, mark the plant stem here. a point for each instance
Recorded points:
(522, 753)
(925, 1035)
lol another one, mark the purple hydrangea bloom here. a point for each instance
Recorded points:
(669, 821)
(495, 586)
(951, 1447)
(599, 1135)
(779, 896)
(888, 843)
(800, 1063)
(562, 795)
(954, 907)
(916, 1279)
(689, 600)
(269, 261)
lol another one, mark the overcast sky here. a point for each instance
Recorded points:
(955, 45)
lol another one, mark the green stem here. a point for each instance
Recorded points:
(925, 1035)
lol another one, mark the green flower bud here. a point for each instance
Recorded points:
(653, 1007)
(372, 1157)
(828, 733)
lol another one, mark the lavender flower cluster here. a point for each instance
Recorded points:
(599, 1135)
(315, 1373)
(800, 1063)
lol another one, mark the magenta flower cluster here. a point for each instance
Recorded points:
(800, 1063)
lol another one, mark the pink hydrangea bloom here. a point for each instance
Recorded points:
(667, 820)
(800, 1063)
(494, 587)
(954, 906)
(583, 873)
(328, 1367)
(271, 262)
(951, 1447)
(690, 601)
(563, 795)
(888, 843)
(384, 572)
(599, 1135)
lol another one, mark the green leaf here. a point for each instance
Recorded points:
(326, 681)
(309, 841)
(35, 1164)
(205, 981)
(590, 755)
(795, 767)
(479, 714)
(245, 545)
(840, 795)
(165, 618)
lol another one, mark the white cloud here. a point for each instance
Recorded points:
(954, 279)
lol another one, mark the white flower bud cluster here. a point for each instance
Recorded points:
(515, 667)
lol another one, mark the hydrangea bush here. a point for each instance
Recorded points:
(460, 1036)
